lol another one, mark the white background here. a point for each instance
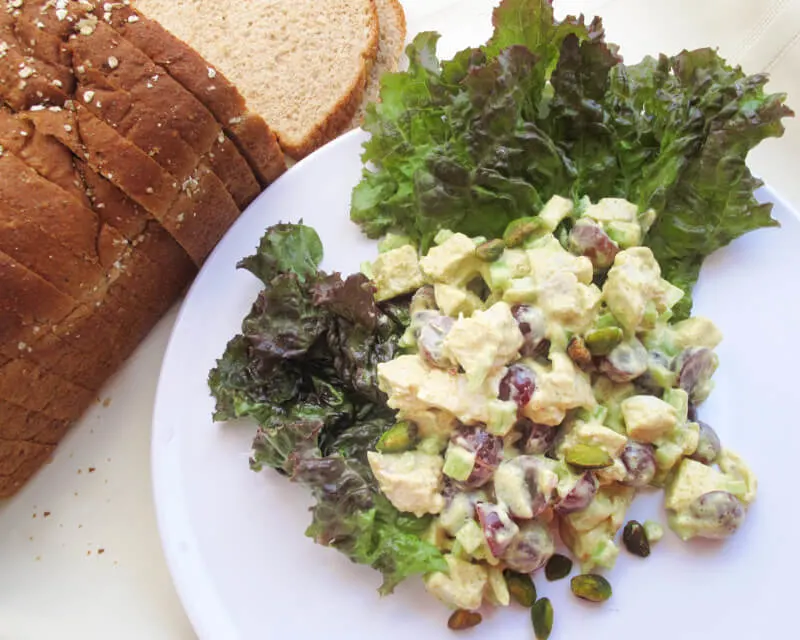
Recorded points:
(55, 582)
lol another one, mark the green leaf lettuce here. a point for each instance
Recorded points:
(548, 108)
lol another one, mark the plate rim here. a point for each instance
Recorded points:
(196, 591)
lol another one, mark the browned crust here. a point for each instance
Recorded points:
(90, 342)
(21, 424)
(74, 271)
(139, 99)
(152, 275)
(36, 390)
(340, 117)
(121, 162)
(15, 453)
(400, 17)
(266, 157)
(35, 87)
(112, 206)
(54, 210)
(255, 140)
(11, 483)
(195, 218)
(156, 105)
(27, 304)
(42, 153)
(232, 168)
(130, 208)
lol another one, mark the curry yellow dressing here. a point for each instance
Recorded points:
(499, 372)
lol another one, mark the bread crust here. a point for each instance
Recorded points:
(248, 131)
(386, 57)
(233, 170)
(339, 118)
(157, 118)
(26, 465)
(80, 291)
(29, 425)
(28, 303)
(147, 180)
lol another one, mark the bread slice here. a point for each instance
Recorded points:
(392, 20)
(145, 264)
(36, 390)
(146, 270)
(196, 213)
(92, 342)
(151, 121)
(130, 170)
(82, 350)
(22, 83)
(15, 453)
(232, 169)
(50, 234)
(307, 94)
(22, 424)
(27, 303)
(246, 130)
(141, 101)
(42, 153)
(28, 440)
(82, 342)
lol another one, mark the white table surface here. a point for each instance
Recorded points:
(79, 549)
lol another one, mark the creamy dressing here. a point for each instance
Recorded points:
(547, 385)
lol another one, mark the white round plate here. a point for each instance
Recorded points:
(234, 539)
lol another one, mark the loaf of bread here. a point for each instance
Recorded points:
(124, 158)
(126, 154)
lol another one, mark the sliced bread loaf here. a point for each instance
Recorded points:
(246, 129)
(307, 94)
(145, 268)
(106, 188)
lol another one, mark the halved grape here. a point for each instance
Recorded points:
(709, 445)
(626, 362)
(424, 299)
(536, 438)
(579, 496)
(433, 329)
(533, 327)
(640, 463)
(588, 239)
(694, 367)
(518, 385)
(525, 486)
(530, 549)
(498, 527)
(721, 514)
(488, 450)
